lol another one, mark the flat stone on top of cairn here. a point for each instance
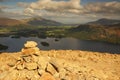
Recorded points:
(30, 44)
(30, 48)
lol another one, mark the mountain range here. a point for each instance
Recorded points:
(105, 21)
(38, 21)
(9, 22)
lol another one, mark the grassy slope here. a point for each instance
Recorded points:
(108, 34)
(99, 33)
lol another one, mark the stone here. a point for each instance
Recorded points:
(31, 66)
(30, 51)
(35, 58)
(12, 75)
(51, 69)
(30, 44)
(42, 62)
(11, 62)
(54, 63)
(62, 73)
(47, 76)
(20, 67)
(3, 75)
(32, 75)
(40, 71)
(27, 59)
(30, 48)
(56, 75)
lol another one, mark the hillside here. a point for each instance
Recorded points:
(9, 22)
(34, 64)
(38, 21)
(108, 32)
(30, 22)
(105, 21)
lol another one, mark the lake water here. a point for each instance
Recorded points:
(15, 44)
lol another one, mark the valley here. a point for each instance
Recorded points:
(91, 31)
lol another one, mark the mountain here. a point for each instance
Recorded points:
(9, 22)
(105, 21)
(37, 21)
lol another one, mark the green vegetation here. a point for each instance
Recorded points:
(86, 32)
(99, 33)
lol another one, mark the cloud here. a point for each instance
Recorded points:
(3, 7)
(12, 14)
(72, 6)
(15, 15)
(64, 9)
(103, 8)
(22, 4)
(5, 0)
(2, 0)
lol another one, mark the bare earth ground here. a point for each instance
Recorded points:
(60, 65)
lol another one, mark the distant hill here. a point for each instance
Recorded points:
(37, 21)
(9, 22)
(105, 21)
(31, 21)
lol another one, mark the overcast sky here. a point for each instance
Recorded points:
(65, 11)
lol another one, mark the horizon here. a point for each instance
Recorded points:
(64, 11)
(61, 22)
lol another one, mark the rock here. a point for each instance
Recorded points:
(30, 48)
(54, 63)
(47, 76)
(42, 62)
(35, 58)
(27, 59)
(58, 65)
(30, 44)
(56, 75)
(11, 62)
(40, 71)
(94, 78)
(31, 66)
(62, 73)
(30, 51)
(20, 67)
(32, 75)
(51, 69)
(12, 75)
(3, 75)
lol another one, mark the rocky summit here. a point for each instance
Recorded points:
(34, 64)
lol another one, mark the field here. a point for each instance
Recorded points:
(85, 32)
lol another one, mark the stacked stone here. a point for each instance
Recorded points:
(29, 66)
(30, 48)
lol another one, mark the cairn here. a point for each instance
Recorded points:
(30, 47)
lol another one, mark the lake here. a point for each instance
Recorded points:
(16, 44)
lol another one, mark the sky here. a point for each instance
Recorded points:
(65, 11)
